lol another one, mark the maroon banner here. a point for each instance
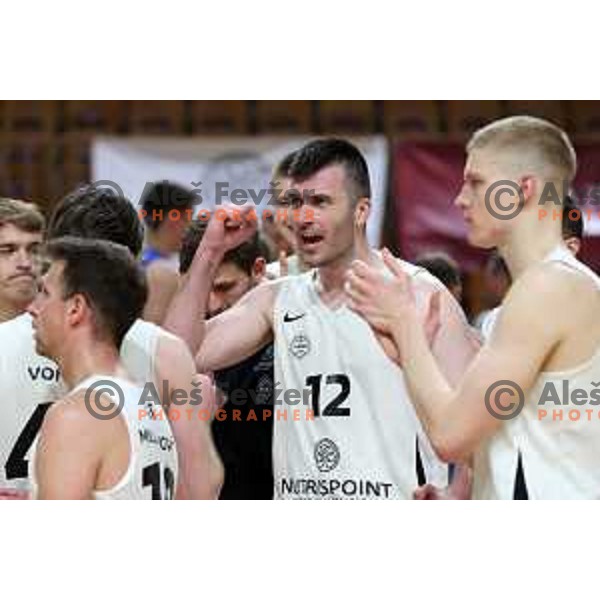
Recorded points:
(426, 179)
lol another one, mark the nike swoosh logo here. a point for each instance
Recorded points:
(288, 319)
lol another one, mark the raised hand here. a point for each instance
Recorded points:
(230, 227)
(379, 300)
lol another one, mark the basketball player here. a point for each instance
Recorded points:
(244, 430)
(572, 234)
(88, 300)
(344, 427)
(279, 233)
(150, 354)
(165, 205)
(21, 226)
(536, 342)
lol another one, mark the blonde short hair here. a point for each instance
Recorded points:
(529, 134)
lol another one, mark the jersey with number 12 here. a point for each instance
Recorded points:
(344, 427)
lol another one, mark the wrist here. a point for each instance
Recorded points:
(399, 324)
(209, 256)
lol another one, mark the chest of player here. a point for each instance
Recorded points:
(333, 360)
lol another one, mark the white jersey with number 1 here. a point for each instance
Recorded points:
(151, 473)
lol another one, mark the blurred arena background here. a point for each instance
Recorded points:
(48, 147)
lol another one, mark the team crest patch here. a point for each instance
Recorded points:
(327, 455)
(300, 345)
(264, 390)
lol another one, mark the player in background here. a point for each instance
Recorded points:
(280, 235)
(243, 436)
(21, 230)
(167, 209)
(149, 353)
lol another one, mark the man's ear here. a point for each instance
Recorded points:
(361, 212)
(259, 269)
(529, 186)
(573, 243)
(77, 307)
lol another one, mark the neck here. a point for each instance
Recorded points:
(10, 311)
(524, 249)
(159, 243)
(82, 360)
(332, 277)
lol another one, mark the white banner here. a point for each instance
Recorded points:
(218, 166)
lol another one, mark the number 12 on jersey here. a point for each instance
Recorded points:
(333, 408)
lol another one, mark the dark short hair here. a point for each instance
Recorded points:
(109, 278)
(442, 266)
(243, 256)
(325, 152)
(164, 196)
(23, 215)
(95, 212)
(572, 222)
(282, 168)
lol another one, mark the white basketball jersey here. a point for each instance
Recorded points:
(138, 350)
(29, 383)
(489, 322)
(559, 459)
(152, 470)
(274, 268)
(353, 433)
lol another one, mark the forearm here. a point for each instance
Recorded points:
(201, 471)
(186, 315)
(427, 386)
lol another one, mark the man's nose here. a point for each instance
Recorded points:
(24, 260)
(306, 215)
(461, 200)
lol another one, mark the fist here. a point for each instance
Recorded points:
(230, 227)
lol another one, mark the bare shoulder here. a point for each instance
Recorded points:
(544, 302)
(70, 416)
(548, 286)
(263, 296)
